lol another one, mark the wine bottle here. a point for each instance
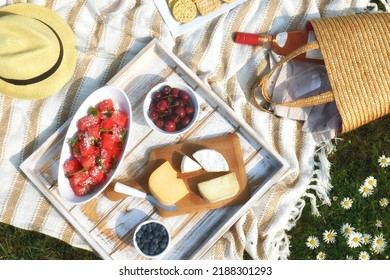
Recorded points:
(283, 43)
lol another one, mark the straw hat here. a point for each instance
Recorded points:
(38, 51)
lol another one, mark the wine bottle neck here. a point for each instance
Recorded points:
(265, 41)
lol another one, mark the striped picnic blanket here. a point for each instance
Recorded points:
(109, 34)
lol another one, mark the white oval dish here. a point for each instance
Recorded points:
(122, 103)
(182, 86)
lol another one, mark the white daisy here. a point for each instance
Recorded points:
(366, 238)
(346, 203)
(348, 257)
(384, 161)
(347, 229)
(378, 223)
(383, 202)
(377, 249)
(321, 256)
(355, 240)
(364, 256)
(366, 190)
(378, 241)
(312, 242)
(329, 236)
(371, 181)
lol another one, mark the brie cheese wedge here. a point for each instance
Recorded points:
(189, 165)
(211, 160)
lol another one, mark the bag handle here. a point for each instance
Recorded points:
(322, 98)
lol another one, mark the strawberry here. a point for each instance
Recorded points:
(116, 151)
(108, 141)
(96, 175)
(106, 105)
(76, 151)
(119, 118)
(87, 121)
(94, 131)
(88, 161)
(107, 124)
(72, 166)
(105, 160)
(81, 183)
(86, 146)
(117, 134)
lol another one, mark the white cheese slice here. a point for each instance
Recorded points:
(211, 160)
(189, 165)
(219, 188)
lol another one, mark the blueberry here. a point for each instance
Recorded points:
(162, 245)
(139, 234)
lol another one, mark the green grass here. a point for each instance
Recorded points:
(18, 244)
(355, 159)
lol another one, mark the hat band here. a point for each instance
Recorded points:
(44, 75)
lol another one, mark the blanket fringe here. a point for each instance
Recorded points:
(321, 186)
(320, 183)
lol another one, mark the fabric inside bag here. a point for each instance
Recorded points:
(296, 80)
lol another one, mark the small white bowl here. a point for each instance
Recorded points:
(138, 235)
(181, 86)
(120, 100)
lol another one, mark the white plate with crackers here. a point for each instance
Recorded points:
(183, 15)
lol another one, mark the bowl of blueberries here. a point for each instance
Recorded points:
(171, 108)
(151, 239)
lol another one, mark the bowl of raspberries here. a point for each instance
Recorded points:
(171, 108)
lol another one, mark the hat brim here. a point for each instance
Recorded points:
(65, 71)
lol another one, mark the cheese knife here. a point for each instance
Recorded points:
(125, 189)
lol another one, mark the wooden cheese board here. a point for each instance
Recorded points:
(108, 225)
(228, 145)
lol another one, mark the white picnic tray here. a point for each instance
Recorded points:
(108, 225)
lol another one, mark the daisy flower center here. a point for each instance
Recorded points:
(355, 239)
(312, 242)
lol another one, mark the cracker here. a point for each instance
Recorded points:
(206, 7)
(229, 1)
(170, 3)
(184, 10)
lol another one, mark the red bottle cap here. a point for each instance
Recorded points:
(247, 38)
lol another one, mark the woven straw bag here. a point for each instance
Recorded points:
(356, 52)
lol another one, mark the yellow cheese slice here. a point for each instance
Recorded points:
(165, 186)
(219, 188)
